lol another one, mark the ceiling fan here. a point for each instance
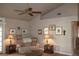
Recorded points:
(29, 11)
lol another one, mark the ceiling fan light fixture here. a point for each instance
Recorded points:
(29, 11)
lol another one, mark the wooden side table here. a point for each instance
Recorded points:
(48, 48)
(10, 49)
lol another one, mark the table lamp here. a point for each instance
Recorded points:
(10, 40)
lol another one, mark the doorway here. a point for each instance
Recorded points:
(75, 37)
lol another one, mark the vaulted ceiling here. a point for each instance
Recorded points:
(7, 9)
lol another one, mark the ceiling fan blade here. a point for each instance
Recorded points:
(26, 10)
(19, 10)
(37, 12)
(21, 13)
(30, 14)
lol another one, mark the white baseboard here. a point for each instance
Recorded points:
(63, 53)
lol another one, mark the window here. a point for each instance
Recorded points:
(0, 37)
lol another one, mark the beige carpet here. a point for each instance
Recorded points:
(44, 54)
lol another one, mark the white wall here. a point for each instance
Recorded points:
(15, 23)
(68, 14)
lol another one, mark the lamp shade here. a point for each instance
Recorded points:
(10, 37)
(51, 41)
(9, 40)
(47, 36)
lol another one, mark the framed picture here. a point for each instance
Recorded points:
(12, 31)
(24, 31)
(46, 30)
(52, 27)
(39, 31)
(58, 30)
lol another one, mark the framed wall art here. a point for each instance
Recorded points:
(39, 31)
(24, 31)
(59, 30)
(52, 27)
(46, 30)
(12, 31)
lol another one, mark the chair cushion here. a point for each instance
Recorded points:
(26, 40)
(27, 44)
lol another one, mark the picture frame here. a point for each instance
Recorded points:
(52, 27)
(46, 30)
(39, 31)
(59, 30)
(24, 31)
(12, 31)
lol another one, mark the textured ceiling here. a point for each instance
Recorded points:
(7, 9)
